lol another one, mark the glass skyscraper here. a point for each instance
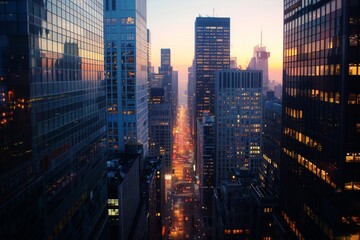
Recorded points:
(52, 111)
(320, 166)
(126, 73)
(212, 52)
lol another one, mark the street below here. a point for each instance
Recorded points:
(183, 198)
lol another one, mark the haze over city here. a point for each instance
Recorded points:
(172, 26)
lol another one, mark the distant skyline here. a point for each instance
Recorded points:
(172, 26)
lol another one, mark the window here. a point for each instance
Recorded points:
(353, 69)
(113, 212)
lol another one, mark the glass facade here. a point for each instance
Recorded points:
(52, 119)
(321, 105)
(238, 121)
(212, 52)
(126, 73)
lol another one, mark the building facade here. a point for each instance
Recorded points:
(53, 123)
(321, 130)
(160, 127)
(205, 162)
(232, 213)
(126, 73)
(175, 94)
(212, 53)
(238, 121)
(191, 104)
(169, 81)
(269, 171)
(123, 180)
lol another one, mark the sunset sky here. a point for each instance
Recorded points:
(172, 26)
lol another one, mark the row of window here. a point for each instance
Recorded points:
(300, 137)
(294, 113)
(292, 225)
(323, 96)
(311, 167)
(320, 70)
(323, 226)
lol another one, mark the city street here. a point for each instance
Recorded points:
(183, 198)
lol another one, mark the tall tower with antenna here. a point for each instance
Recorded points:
(259, 61)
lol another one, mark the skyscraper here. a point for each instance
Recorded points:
(259, 61)
(205, 162)
(319, 195)
(212, 52)
(160, 127)
(237, 121)
(270, 168)
(175, 92)
(169, 81)
(191, 104)
(51, 150)
(126, 72)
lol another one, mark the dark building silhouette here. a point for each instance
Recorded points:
(320, 181)
(52, 178)
(232, 213)
(205, 162)
(156, 196)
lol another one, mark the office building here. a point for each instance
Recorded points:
(262, 208)
(269, 171)
(191, 104)
(321, 130)
(266, 193)
(212, 53)
(166, 71)
(148, 40)
(238, 121)
(160, 127)
(156, 80)
(126, 73)
(205, 161)
(232, 213)
(123, 181)
(175, 93)
(156, 197)
(52, 120)
(169, 82)
(278, 90)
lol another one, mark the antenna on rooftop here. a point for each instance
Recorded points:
(261, 38)
(213, 12)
